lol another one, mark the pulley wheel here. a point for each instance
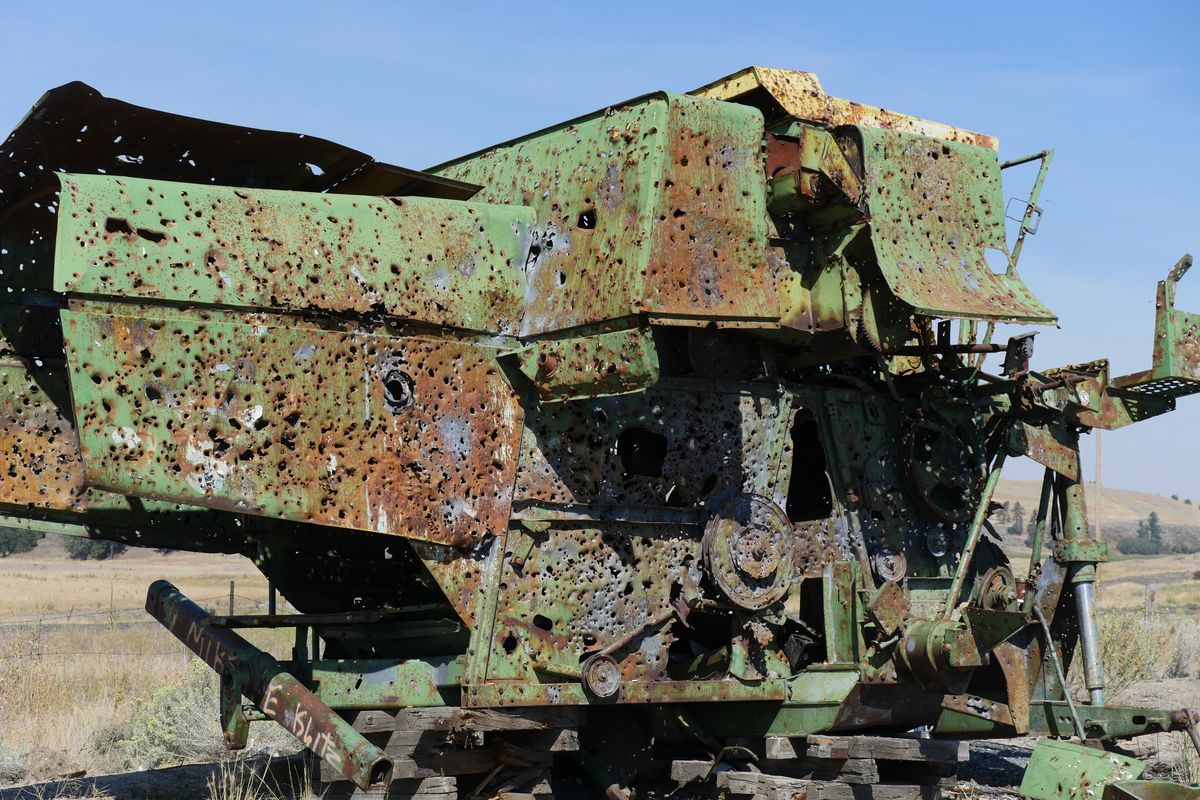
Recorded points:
(750, 552)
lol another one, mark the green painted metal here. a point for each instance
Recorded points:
(654, 206)
(610, 363)
(216, 245)
(1150, 790)
(938, 205)
(374, 684)
(1065, 771)
(221, 426)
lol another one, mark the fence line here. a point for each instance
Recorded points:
(220, 602)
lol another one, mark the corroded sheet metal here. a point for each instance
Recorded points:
(583, 590)
(655, 206)
(935, 208)
(408, 436)
(42, 464)
(799, 95)
(609, 363)
(438, 261)
(462, 575)
(74, 128)
(679, 444)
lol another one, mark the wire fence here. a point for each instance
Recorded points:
(95, 621)
(213, 604)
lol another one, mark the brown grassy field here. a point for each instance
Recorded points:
(90, 684)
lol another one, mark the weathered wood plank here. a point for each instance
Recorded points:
(685, 771)
(437, 788)
(420, 765)
(885, 748)
(761, 786)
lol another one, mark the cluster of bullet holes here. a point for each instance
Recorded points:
(397, 391)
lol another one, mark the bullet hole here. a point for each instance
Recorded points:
(397, 391)
(117, 225)
(642, 452)
(510, 643)
(587, 220)
(562, 278)
(153, 394)
(542, 622)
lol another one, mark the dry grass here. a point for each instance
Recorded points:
(92, 683)
(1135, 647)
(46, 582)
(238, 779)
(71, 790)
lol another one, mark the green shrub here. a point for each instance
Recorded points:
(1134, 647)
(176, 724)
(95, 549)
(15, 540)
(179, 723)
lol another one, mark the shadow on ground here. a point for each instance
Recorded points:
(282, 777)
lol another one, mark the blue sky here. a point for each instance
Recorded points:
(1113, 87)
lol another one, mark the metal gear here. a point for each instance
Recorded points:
(750, 552)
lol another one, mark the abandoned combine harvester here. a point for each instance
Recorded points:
(651, 449)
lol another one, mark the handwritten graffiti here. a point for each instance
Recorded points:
(299, 722)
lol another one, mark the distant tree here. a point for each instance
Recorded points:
(1154, 532)
(15, 540)
(81, 548)
(1002, 514)
(1148, 539)
(1188, 501)
(1017, 527)
(1174, 497)
(1031, 529)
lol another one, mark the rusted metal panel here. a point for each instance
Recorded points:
(581, 590)
(43, 467)
(656, 206)
(438, 261)
(1050, 448)
(401, 435)
(935, 208)
(74, 128)
(708, 249)
(609, 363)
(800, 96)
(462, 575)
(638, 452)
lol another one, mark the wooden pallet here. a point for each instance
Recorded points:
(832, 768)
(442, 752)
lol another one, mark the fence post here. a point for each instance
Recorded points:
(231, 598)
